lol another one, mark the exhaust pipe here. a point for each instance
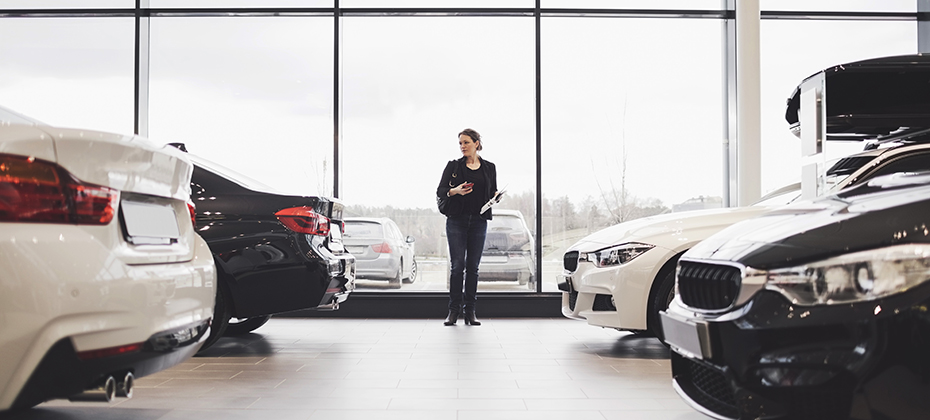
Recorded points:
(101, 393)
(124, 387)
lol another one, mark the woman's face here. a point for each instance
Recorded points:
(467, 146)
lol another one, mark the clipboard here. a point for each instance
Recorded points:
(494, 200)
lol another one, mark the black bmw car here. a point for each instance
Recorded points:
(274, 253)
(818, 310)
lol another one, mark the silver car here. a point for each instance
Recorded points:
(509, 250)
(381, 251)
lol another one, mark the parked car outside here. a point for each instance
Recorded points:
(274, 252)
(381, 251)
(622, 276)
(817, 310)
(104, 277)
(509, 250)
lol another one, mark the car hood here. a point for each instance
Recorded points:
(862, 218)
(670, 230)
(873, 98)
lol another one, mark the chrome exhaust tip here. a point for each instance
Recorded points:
(102, 393)
(124, 387)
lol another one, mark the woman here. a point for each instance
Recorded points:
(468, 182)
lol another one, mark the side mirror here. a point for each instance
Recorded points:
(410, 239)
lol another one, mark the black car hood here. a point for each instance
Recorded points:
(872, 216)
(873, 98)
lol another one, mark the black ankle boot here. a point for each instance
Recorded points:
(470, 318)
(452, 318)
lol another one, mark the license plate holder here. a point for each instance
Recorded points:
(150, 223)
(691, 337)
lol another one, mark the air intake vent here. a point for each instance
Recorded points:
(570, 261)
(708, 286)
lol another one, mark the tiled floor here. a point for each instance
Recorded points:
(406, 369)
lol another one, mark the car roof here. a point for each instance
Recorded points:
(379, 220)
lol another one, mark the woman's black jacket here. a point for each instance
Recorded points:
(453, 175)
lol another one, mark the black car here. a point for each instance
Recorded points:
(821, 309)
(818, 310)
(274, 253)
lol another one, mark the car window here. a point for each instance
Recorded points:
(913, 163)
(363, 230)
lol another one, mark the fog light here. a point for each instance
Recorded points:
(786, 376)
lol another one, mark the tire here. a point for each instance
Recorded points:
(413, 273)
(245, 325)
(531, 283)
(661, 296)
(221, 314)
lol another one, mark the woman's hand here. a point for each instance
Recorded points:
(462, 189)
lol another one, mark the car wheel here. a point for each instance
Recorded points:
(395, 283)
(413, 272)
(661, 297)
(523, 280)
(531, 283)
(221, 315)
(240, 326)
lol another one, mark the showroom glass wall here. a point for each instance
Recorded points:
(627, 118)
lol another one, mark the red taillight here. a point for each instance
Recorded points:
(33, 190)
(193, 213)
(382, 248)
(110, 351)
(304, 220)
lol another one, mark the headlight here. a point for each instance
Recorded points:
(855, 277)
(615, 255)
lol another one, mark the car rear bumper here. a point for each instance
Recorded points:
(75, 289)
(62, 373)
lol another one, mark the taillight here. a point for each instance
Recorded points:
(304, 220)
(109, 351)
(382, 248)
(33, 190)
(193, 213)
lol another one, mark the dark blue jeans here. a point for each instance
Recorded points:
(466, 235)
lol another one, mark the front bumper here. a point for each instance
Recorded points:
(771, 359)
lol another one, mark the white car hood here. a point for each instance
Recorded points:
(668, 230)
(126, 163)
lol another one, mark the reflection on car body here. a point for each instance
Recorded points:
(274, 252)
(104, 278)
(381, 251)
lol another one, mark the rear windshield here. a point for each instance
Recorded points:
(505, 222)
(364, 230)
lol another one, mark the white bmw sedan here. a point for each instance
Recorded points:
(102, 277)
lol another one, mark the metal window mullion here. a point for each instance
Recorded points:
(141, 71)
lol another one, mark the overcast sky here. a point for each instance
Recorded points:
(255, 94)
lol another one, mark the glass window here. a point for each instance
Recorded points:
(792, 50)
(632, 123)
(69, 72)
(635, 4)
(406, 97)
(68, 4)
(841, 5)
(229, 4)
(254, 94)
(356, 229)
(437, 3)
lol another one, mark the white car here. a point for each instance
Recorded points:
(103, 278)
(622, 276)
